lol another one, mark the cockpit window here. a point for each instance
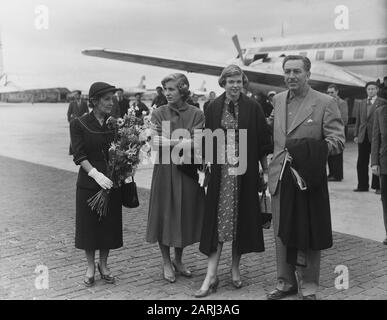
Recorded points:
(320, 55)
(381, 52)
(358, 53)
(338, 55)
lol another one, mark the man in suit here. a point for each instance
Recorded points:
(379, 156)
(299, 112)
(363, 136)
(77, 106)
(76, 109)
(383, 89)
(160, 98)
(120, 104)
(335, 162)
(140, 107)
(211, 97)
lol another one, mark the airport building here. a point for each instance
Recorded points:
(36, 95)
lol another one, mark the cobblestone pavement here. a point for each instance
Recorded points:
(37, 228)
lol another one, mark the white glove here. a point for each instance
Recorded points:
(100, 178)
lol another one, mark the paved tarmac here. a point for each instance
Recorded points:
(37, 229)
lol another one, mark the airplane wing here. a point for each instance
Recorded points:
(266, 73)
(157, 61)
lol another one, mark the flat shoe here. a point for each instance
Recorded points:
(184, 272)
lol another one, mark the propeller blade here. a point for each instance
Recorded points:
(237, 45)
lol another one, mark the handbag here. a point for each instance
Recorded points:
(266, 215)
(129, 195)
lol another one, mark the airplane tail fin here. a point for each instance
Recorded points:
(203, 86)
(141, 85)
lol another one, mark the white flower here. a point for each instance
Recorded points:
(144, 113)
(136, 108)
(112, 147)
(120, 122)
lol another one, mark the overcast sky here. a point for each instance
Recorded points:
(193, 29)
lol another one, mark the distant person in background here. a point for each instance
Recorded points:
(267, 105)
(139, 106)
(160, 98)
(335, 162)
(77, 108)
(120, 104)
(193, 101)
(379, 156)
(211, 97)
(383, 89)
(363, 136)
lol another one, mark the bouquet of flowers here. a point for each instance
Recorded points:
(130, 145)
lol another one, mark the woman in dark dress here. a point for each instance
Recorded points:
(90, 140)
(176, 204)
(231, 205)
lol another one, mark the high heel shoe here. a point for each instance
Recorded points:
(236, 283)
(108, 278)
(89, 281)
(211, 289)
(184, 272)
(170, 278)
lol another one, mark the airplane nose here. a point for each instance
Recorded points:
(325, 71)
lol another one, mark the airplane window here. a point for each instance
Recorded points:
(358, 53)
(338, 54)
(304, 53)
(320, 55)
(381, 52)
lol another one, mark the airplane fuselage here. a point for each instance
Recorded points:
(364, 57)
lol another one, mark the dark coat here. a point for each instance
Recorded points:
(249, 237)
(76, 109)
(119, 107)
(365, 122)
(305, 218)
(90, 141)
(379, 140)
(159, 100)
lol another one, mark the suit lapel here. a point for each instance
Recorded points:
(282, 112)
(304, 111)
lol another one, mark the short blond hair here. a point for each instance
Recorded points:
(182, 84)
(230, 71)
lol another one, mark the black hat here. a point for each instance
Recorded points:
(100, 88)
(371, 83)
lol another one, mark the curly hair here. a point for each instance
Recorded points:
(182, 84)
(230, 71)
